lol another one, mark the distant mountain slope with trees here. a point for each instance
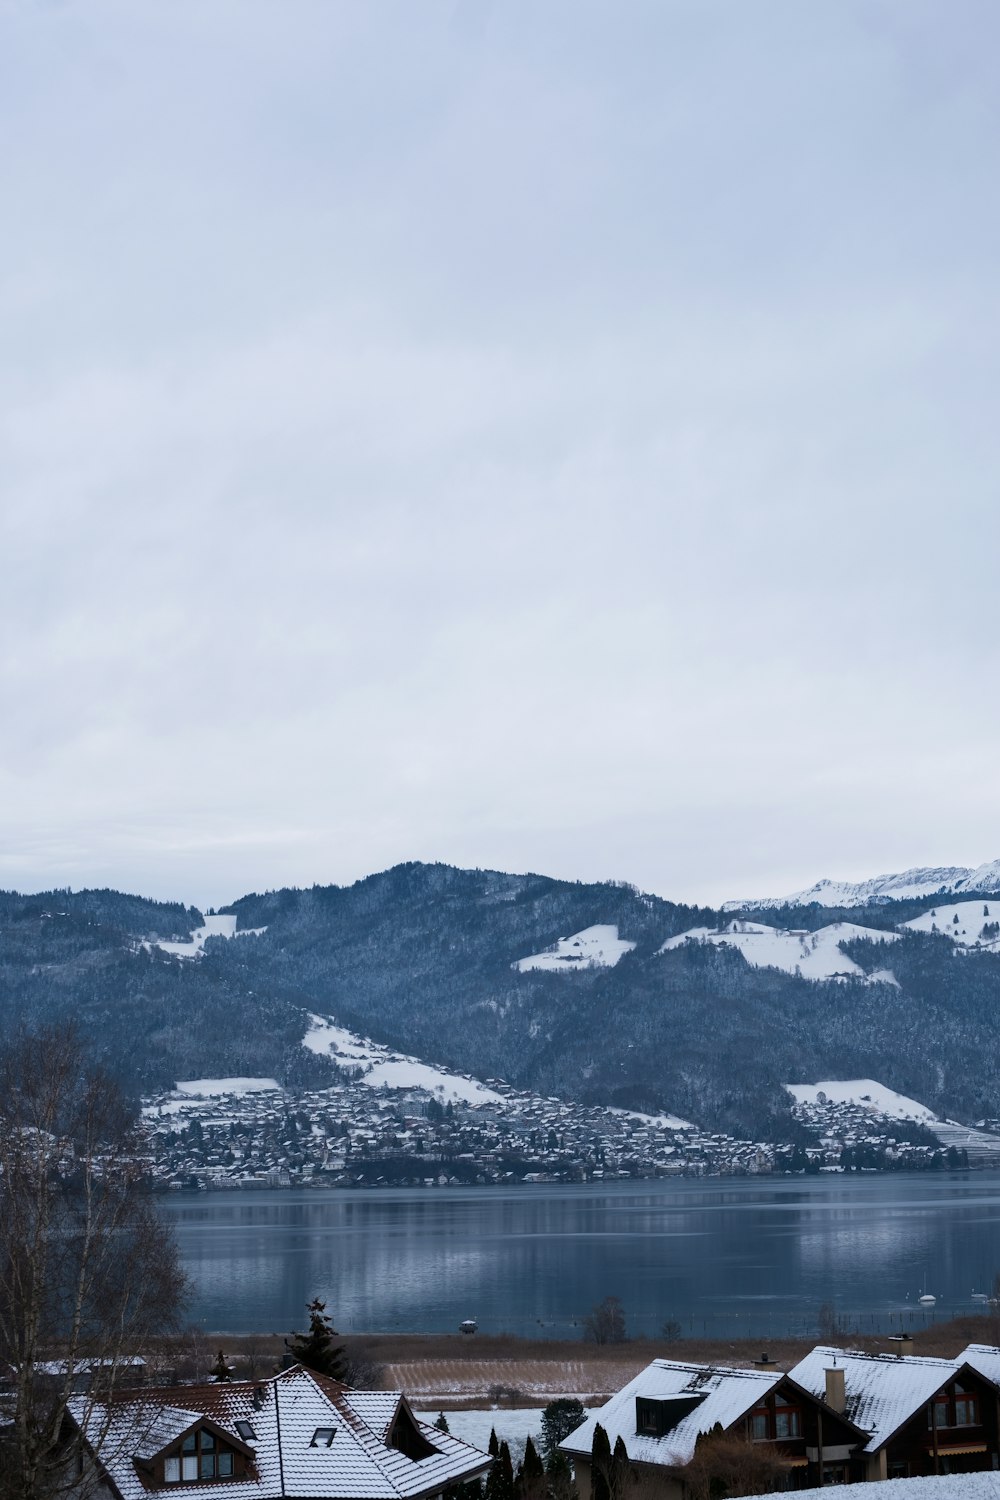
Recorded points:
(422, 957)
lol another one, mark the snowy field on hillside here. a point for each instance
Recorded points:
(224, 927)
(187, 1091)
(867, 1093)
(815, 955)
(384, 1068)
(656, 1122)
(594, 948)
(218, 1088)
(963, 922)
(936, 1487)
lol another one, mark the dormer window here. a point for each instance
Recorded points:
(322, 1437)
(201, 1456)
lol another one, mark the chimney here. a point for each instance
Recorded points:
(765, 1362)
(903, 1344)
(836, 1392)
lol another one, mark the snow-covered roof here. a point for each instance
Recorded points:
(284, 1412)
(883, 1391)
(726, 1395)
(982, 1357)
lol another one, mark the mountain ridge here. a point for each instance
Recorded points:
(444, 965)
(916, 883)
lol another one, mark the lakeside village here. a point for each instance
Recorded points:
(236, 1134)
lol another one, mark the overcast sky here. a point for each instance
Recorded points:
(555, 436)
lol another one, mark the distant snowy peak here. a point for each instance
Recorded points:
(906, 885)
(594, 948)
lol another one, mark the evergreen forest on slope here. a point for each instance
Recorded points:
(421, 957)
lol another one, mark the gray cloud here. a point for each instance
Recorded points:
(548, 438)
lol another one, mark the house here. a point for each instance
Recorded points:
(921, 1416)
(296, 1434)
(662, 1413)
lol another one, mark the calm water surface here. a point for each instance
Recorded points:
(750, 1256)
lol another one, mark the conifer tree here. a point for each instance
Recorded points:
(559, 1476)
(500, 1484)
(530, 1481)
(493, 1447)
(317, 1349)
(600, 1465)
(220, 1371)
(442, 1422)
(618, 1473)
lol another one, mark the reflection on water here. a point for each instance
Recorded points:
(754, 1257)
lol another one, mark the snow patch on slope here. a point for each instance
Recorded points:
(656, 1122)
(216, 1088)
(222, 926)
(384, 1068)
(967, 923)
(597, 947)
(186, 1091)
(865, 1092)
(814, 955)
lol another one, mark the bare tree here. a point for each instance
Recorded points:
(605, 1323)
(729, 1463)
(88, 1271)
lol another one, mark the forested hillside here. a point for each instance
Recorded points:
(423, 957)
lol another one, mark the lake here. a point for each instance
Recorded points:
(753, 1257)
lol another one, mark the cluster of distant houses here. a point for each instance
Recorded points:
(837, 1417)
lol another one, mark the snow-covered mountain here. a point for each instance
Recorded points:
(905, 885)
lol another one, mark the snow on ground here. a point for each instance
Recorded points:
(658, 1122)
(217, 1088)
(188, 1090)
(513, 1426)
(223, 926)
(984, 1486)
(384, 1068)
(964, 922)
(594, 948)
(815, 955)
(866, 1092)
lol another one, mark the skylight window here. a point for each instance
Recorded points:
(322, 1437)
(246, 1432)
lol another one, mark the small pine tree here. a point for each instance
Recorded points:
(559, 1419)
(600, 1465)
(618, 1474)
(559, 1475)
(493, 1446)
(530, 1481)
(500, 1484)
(442, 1422)
(317, 1349)
(220, 1371)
